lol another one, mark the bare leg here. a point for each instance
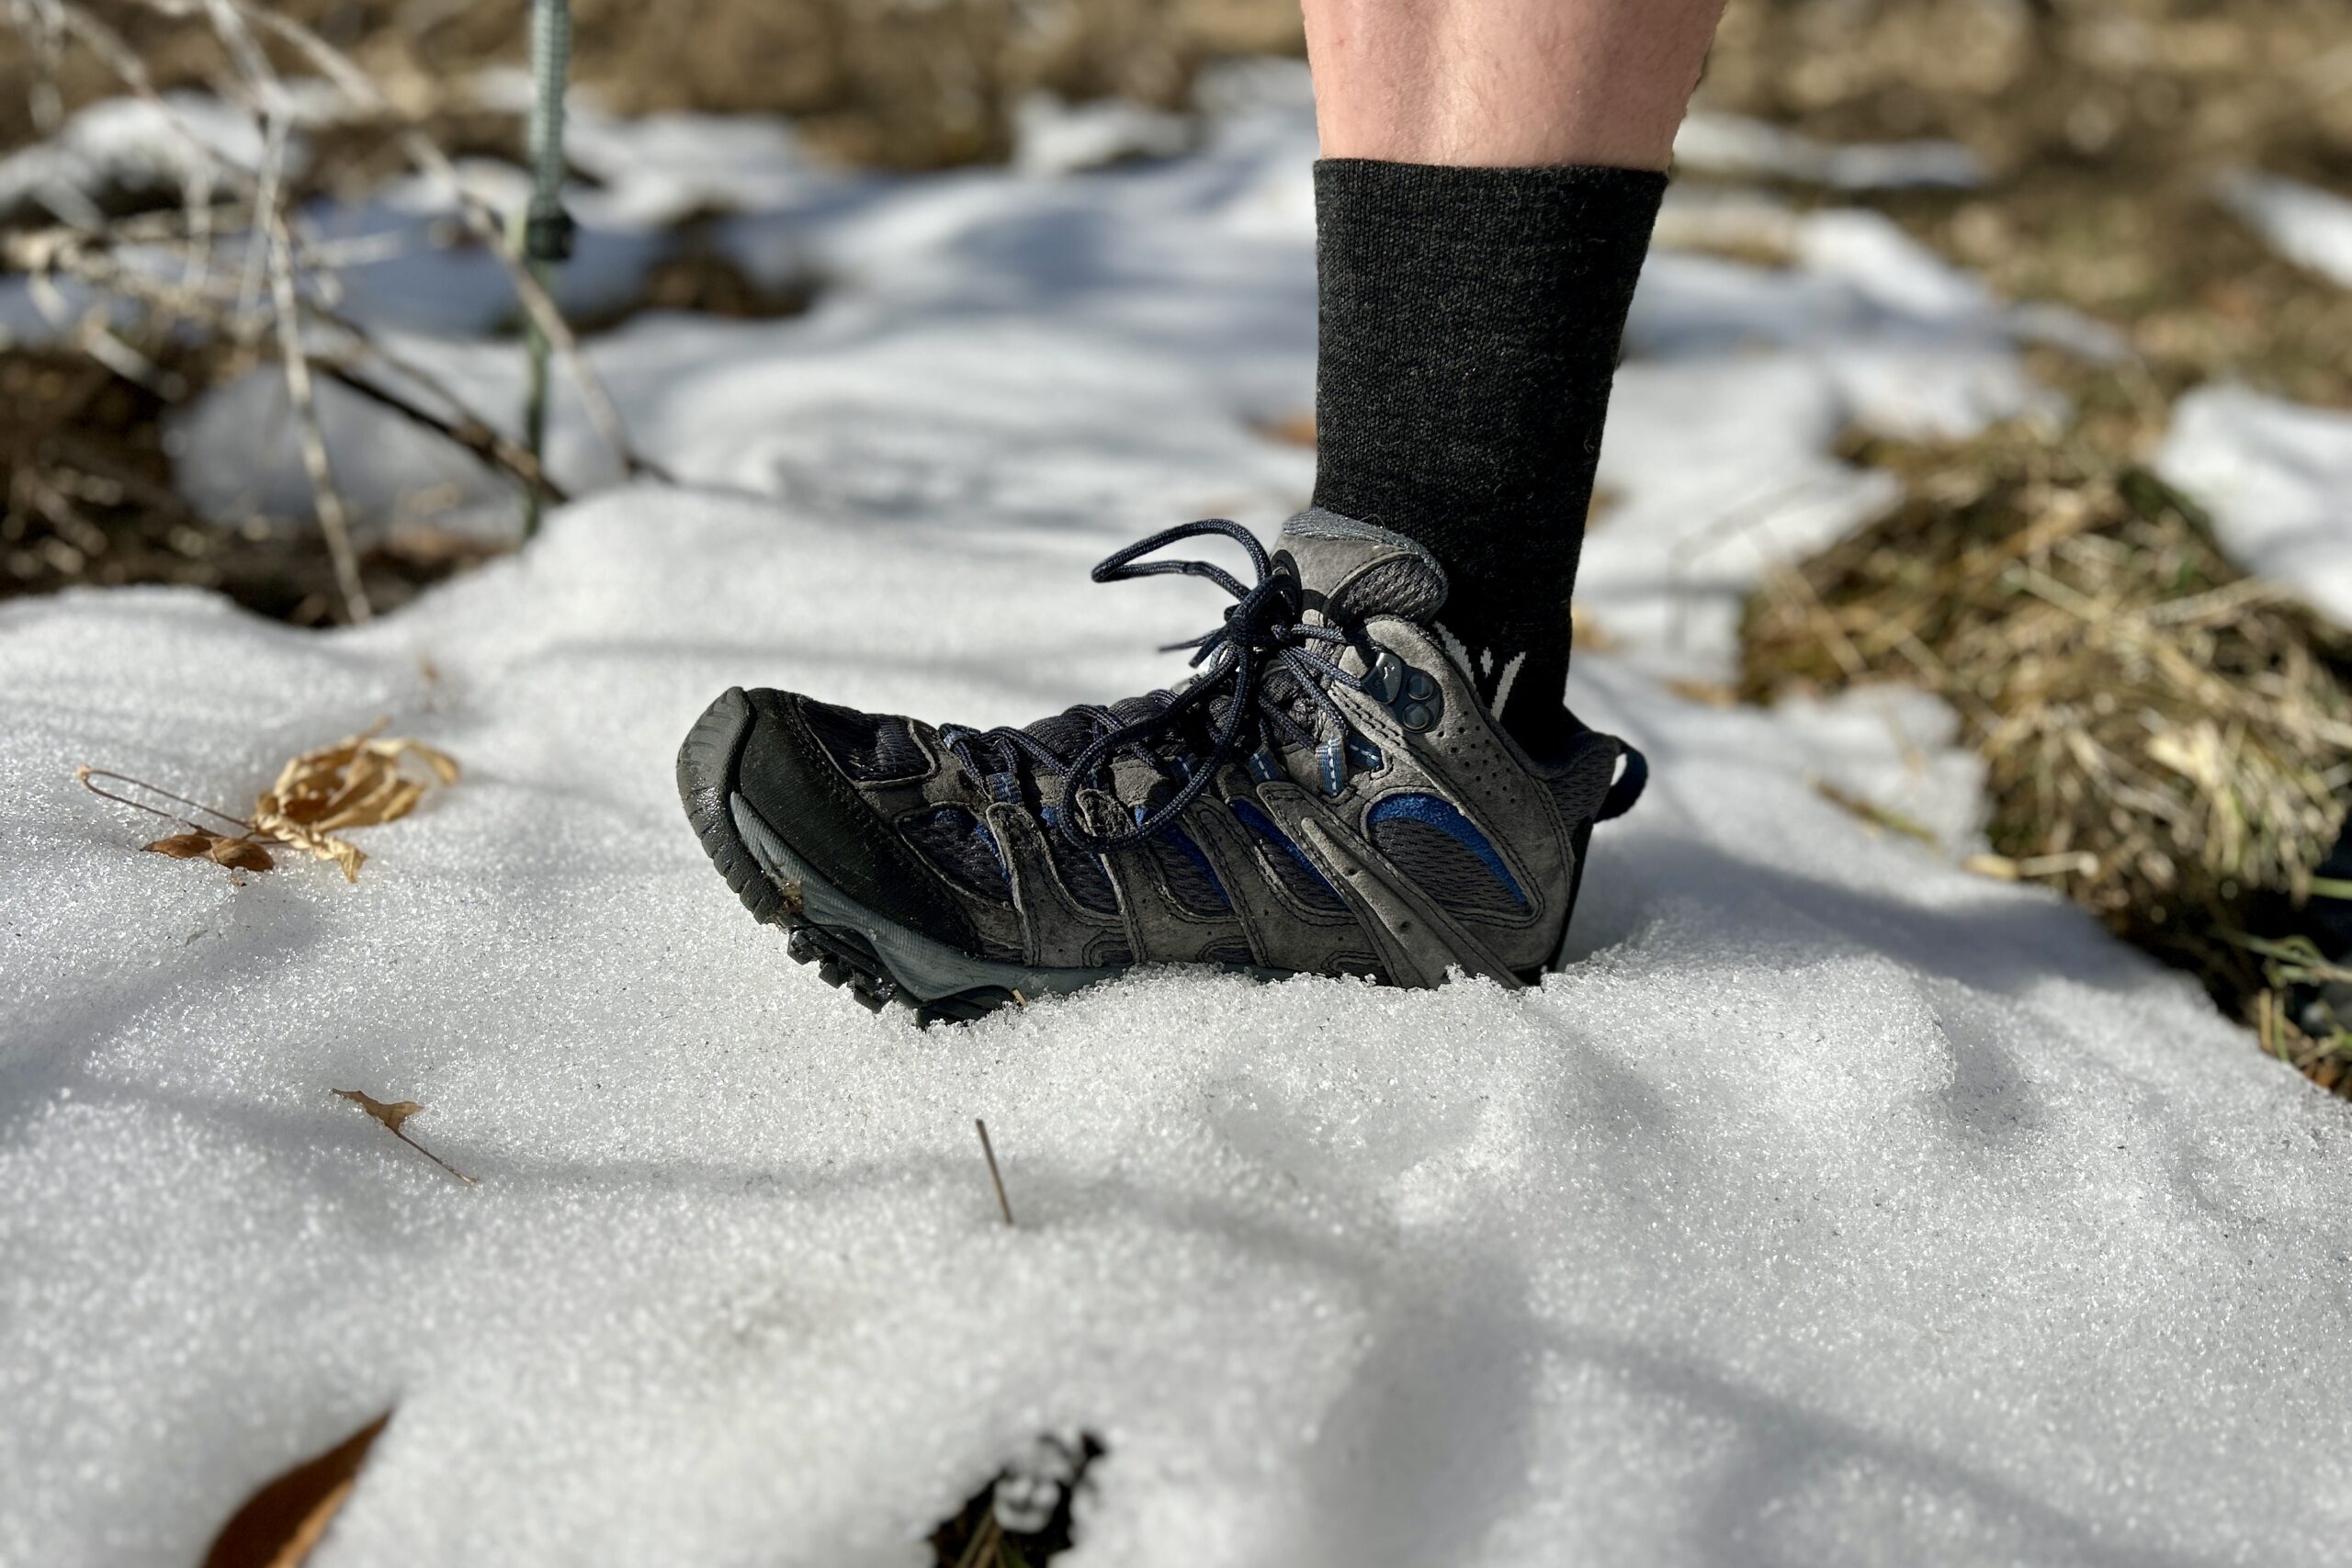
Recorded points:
(1506, 83)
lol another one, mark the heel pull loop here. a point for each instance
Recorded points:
(1628, 788)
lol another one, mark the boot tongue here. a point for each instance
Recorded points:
(1352, 571)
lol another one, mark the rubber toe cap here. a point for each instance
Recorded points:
(786, 775)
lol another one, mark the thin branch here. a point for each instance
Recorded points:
(467, 432)
(333, 523)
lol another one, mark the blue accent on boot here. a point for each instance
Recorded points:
(1434, 811)
(1263, 825)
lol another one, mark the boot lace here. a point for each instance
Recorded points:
(1262, 673)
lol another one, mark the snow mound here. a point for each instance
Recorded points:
(137, 145)
(2275, 475)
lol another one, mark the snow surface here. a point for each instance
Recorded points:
(2307, 225)
(2276, 477)
(149, 146)
(1836, 1208)
(1738, 146)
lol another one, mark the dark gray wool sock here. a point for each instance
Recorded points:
(1470, 321)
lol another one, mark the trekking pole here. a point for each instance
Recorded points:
(546, 227)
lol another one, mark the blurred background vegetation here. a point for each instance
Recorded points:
(2102, 122)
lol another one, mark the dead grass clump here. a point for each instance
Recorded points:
(2167, 740)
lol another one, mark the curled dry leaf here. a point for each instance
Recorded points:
(280, 1525)
(182, 846)
(358, 782)
(392, 1116)
(240, 854)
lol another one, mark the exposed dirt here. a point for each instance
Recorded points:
(90, 503)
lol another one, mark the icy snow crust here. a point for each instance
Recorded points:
(1836, 1208)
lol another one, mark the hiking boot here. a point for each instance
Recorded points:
(1329, 794)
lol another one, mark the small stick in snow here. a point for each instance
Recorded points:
(988, 1149)
(392, 1116)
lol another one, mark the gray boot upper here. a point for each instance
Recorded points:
(1409, 838)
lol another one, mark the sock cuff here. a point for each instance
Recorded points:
(1548, 203)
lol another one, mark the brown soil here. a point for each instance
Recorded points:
(89, 503)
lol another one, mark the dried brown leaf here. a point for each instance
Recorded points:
(358, 782)
(280, 1525)
(239, 853)
(184, 846)
(394, 1116)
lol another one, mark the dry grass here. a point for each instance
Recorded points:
(2104, 124)
(2167, 740)
(896, 84)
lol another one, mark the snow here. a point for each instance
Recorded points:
(2274, 475)
(142, 145)
(1053, 137)
(1836, 1208)
(1738, 147)
(2310, 227)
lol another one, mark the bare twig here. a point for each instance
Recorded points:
(465, 431)
(479, 218)
(392, 1117)
(85, 774)
(333, 523)
(988, 1149)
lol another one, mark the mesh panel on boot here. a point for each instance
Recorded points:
(1579, 788)
(957, 842)
(1445, 855)
(1191, 880)
(1081, 873)
(1286, 862)
(869, 748)
(1402, 586)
